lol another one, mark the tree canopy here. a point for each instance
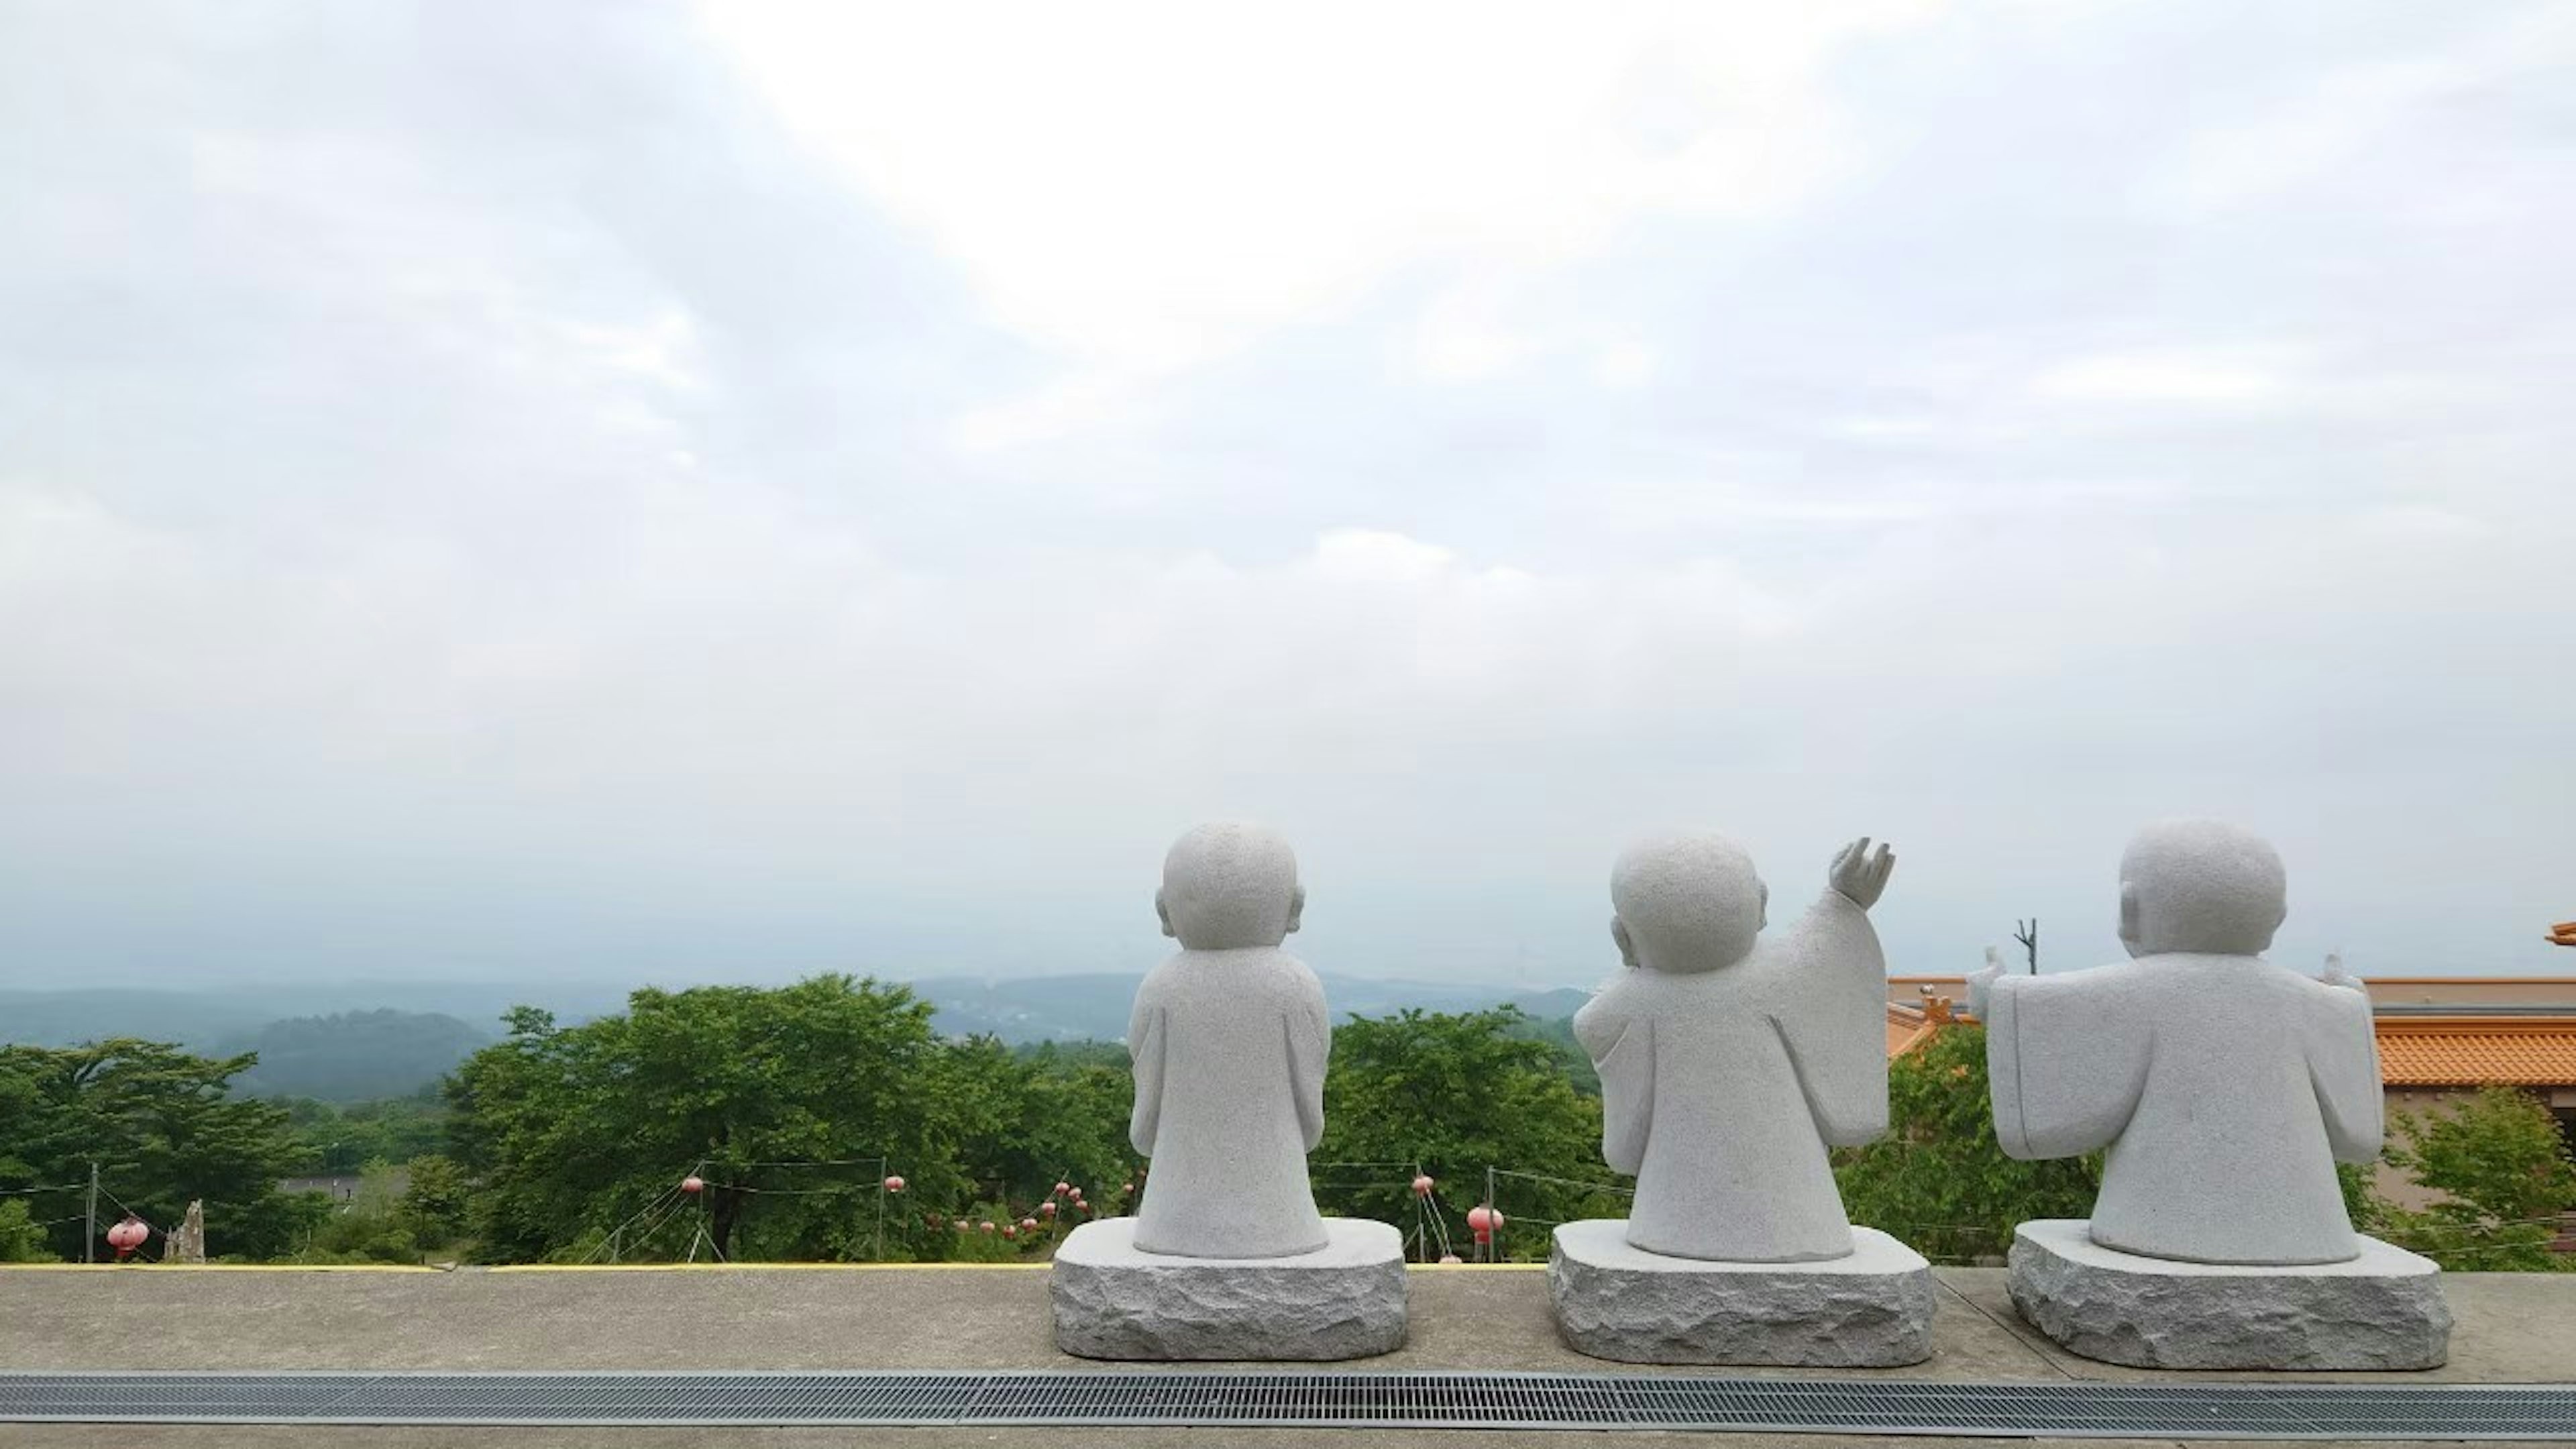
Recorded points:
(162, 1127)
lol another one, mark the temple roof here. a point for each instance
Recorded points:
(2434, 1051)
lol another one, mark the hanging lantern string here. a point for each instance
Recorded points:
(1563, 1181)
(672, 1191)
(129, 1212)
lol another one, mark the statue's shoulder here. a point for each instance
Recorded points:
(1158, 983)
(1295, 978)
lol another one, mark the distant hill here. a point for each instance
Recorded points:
(194, 1019)
(353, 1056)
(337, 1040)
(1094, 1007)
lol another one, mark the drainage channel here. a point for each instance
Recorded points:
(1319, 1400)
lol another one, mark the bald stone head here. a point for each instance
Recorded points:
(1686, 903)
(2200, 886)
(1230, 886)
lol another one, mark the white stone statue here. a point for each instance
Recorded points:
(2225, 1088)
(1229, 1039)
(1729, 1065)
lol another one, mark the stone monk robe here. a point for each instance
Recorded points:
(1229, 1039)
(1729, 1065)
(2225, 1087)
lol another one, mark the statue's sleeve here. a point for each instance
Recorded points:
(1310, 1047)
(2342, 1050)
(1622, 1049)
(1832, 1021)
(1145, 1051)
(2066, 1057)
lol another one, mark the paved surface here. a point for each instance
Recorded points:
(2513, 1328)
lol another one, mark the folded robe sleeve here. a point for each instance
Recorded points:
(1833, 995)
(2342, 1051)
(2065, 1064)
(1622, 1049)
(1310, 1046)
(1145, 1051)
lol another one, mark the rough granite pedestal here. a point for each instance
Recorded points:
(1114, 1301)
(2382, 1310)
(1872, 1309)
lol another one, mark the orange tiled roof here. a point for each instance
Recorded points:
(1905, 1031)
(2466, 1051)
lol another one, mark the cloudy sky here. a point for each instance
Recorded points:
(637, 491)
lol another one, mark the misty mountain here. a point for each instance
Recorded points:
(353, 1056)
(353, 1040)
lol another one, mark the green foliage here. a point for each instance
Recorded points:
(1571, 1058)
(345, 1138)
(1939, 1180)
(356, 1055)
(21, 1241)
(766, 1093)
(163, 1127)
(1456, 1094)
(2502, 1166)
(436, 1205)
(1039, 1116)
(370, 1227)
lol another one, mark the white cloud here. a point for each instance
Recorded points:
(492, 485)
(1143, 186)
(2219, 377)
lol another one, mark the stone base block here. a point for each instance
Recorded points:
(1114, 1301)
(2382, 1310)
(1870, 1310)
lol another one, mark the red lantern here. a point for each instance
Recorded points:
(1047, 1208)
(1482, 1221)
(1062, 1188)
(1028, 1225)
(693, 1184)
(1010, 1230)
(961, 1225)
(127, 1236)
(988, 1227)
(894, 1184)
(1422, 1184)
(1086, 1207)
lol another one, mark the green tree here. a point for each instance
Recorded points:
(1457, 1094)
(345, 1138)
(1938, 1179)
(21, 1240)
(369, 1228)
(2505, 1176)
(162, 1126)
(781, 1099)
(1038, 1116)
(436, 1204)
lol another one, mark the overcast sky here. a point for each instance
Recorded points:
(628, 491)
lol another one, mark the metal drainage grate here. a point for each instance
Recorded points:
(1326, 1400)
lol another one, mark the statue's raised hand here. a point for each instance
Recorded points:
(1981, 984)
(1860, 876)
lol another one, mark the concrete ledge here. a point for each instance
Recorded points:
(1113, 1301)
(2382, 1310)
(1872, 1309)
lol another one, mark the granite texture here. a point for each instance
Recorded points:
(2225, 1088)
(1113, 1300)
(2383, 1309)
(1229, 1040)
(1870, 1308)
(1730, 1063)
